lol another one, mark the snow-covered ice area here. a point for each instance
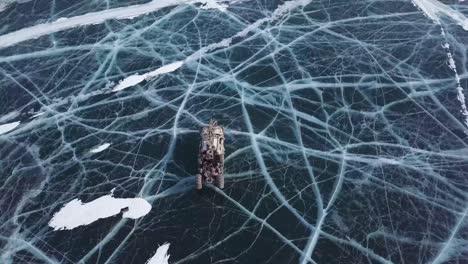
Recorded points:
(5, 128)
(76, 213)
(161, 256)
(100, 148)
(346, 131)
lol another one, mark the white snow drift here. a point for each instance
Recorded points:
(161, 256)
(38, 114)
(77, 213)
(82, 20)
(5, 128)
(212, 4)
(100, 148)
(137, 78)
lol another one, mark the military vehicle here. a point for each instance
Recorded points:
(211, 156)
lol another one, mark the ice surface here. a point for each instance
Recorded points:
(460, 90)
(161, 256)
(91, 18)
(5, 3)
(76, 213)
(435, 9)
(346, 131)
(9, 116)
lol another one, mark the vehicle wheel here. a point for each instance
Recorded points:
(199, 182)
(209, 180)
(220, 181)
(221, 161)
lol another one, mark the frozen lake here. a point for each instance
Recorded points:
(346, 130)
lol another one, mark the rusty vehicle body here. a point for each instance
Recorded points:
(211, 156)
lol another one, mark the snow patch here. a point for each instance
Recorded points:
(100, 148)
(161, 256)
(434, 9)
(76, 213)
(5, 128)
(135, 79)
(37, 114)
(212, 4)
(166, 69)
(130, 81)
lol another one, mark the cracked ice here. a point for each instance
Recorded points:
(345, 121)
